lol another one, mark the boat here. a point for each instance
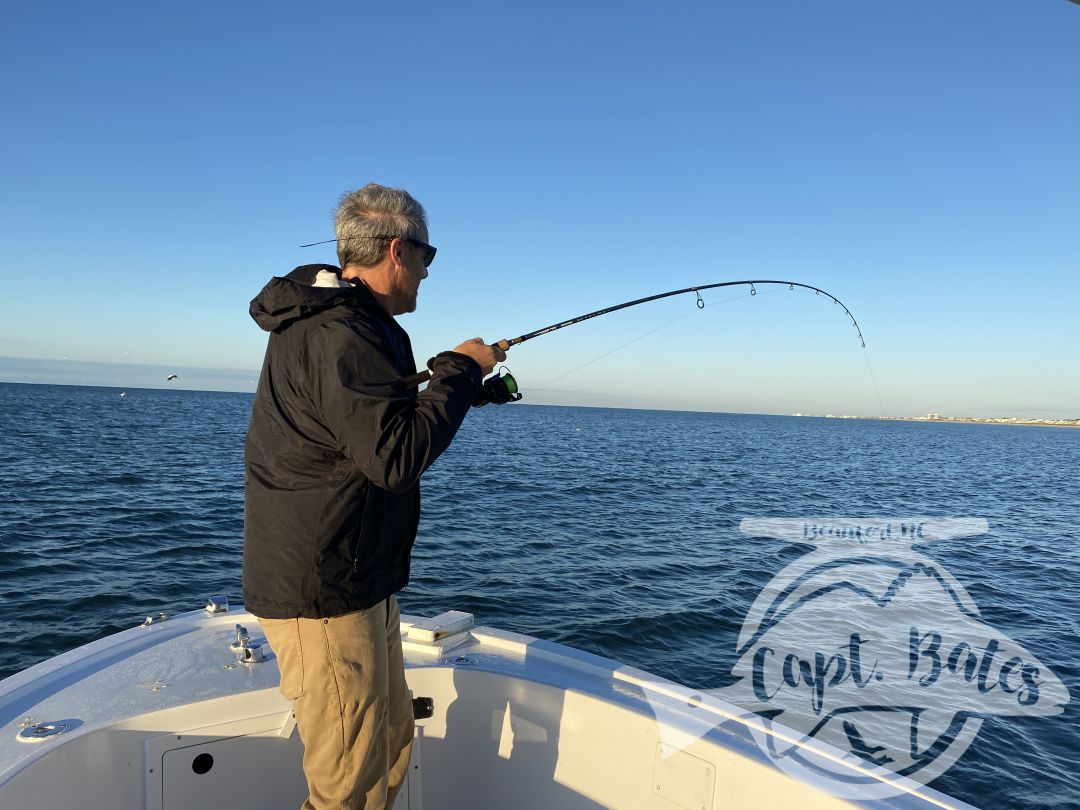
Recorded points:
(184, 712)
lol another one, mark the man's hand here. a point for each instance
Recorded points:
(485, 356)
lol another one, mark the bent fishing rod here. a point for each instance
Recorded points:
(503, 388)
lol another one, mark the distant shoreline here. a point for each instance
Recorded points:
(1008, 420)
(959, 420)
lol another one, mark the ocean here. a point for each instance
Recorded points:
(614, 531)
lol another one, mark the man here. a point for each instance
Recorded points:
(335, 450)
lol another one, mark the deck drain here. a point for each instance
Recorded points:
(461, 661)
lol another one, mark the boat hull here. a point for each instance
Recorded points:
(164, 717)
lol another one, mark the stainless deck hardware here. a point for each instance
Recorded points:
(41, 732)
(162, 616)
(217, 604)
(247, 652)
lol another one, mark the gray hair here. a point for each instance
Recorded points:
(375, 210)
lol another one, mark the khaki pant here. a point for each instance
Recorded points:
(346, 679)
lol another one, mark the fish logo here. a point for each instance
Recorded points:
(873, 647)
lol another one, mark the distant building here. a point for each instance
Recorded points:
(934, 416)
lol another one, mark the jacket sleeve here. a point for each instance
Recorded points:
(391, 434)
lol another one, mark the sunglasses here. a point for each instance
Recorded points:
(429, 250)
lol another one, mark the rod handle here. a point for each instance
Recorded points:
(422, 377)
(418, 379)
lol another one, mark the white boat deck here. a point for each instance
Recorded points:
(163, 716)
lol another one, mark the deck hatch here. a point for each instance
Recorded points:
(683, 779)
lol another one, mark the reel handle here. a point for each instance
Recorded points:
(497, 389)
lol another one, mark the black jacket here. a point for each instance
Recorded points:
(336, 447)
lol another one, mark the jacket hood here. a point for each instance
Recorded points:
(284, 301)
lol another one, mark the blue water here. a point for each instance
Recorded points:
(614, 531)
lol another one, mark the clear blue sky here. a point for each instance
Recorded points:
(918, 160)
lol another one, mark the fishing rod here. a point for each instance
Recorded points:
(502, 387)
(506, 344)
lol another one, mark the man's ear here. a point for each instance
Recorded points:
(396, 252)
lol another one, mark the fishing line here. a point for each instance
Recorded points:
(612, 351)
(873, 380)
(701, 304)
